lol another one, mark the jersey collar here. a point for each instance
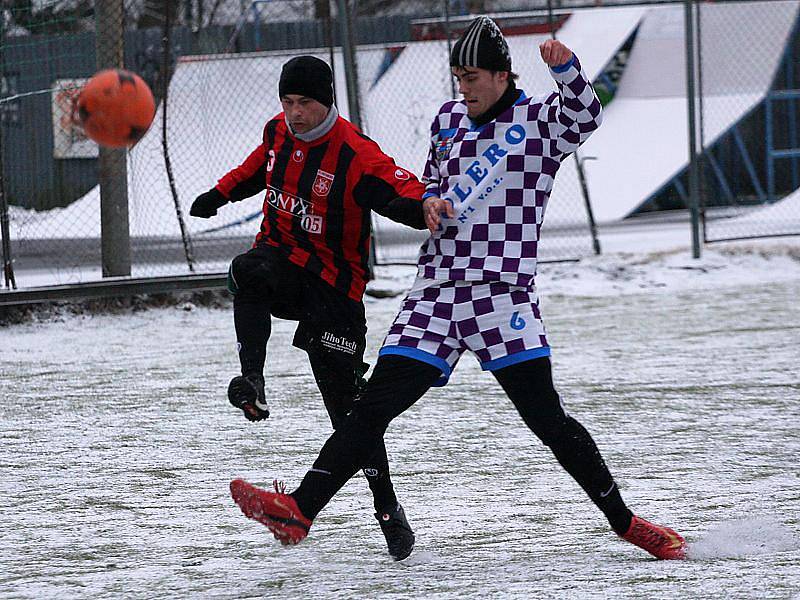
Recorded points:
(320, 130)
(510, 97)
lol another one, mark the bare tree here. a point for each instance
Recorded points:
(56, 17)
(154, 13)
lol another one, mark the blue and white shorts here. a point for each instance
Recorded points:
(500, 323)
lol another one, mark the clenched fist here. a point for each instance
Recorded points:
(554, 53)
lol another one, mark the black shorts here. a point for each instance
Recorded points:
(328, 321)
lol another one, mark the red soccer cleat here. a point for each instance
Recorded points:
(661, 542)
(276, 510)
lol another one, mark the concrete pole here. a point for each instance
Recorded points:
(113, 168)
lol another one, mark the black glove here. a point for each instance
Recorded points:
(206, 205)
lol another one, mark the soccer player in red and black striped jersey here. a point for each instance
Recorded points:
(310, 260)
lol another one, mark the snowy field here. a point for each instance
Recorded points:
(118, 446)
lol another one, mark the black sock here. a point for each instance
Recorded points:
(380, 483)
(396, 383)
(613, 507)
(253, 327)
(576, 451)
(311, 496)
(530, 386)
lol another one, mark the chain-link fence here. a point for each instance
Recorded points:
(76, 213)
(749, 118)
(746, 84)
(416, 80)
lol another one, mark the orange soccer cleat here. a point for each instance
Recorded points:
(276, 510)
(661, 542)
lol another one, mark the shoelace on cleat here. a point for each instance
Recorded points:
(651, 536)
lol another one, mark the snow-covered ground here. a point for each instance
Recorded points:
(118, 446)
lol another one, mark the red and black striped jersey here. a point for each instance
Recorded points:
(319, 196)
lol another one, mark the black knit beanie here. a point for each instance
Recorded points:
(481, 46)
(307, 76)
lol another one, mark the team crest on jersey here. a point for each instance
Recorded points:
(298, 156)
(401, 174)
(443, 145)
(322, 183)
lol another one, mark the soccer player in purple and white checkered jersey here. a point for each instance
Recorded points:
(491, 165)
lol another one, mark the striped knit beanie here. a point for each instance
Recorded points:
(482, 46)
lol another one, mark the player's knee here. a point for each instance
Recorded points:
(560, 431)
(231, 281)
(237, 273)
(337, 418)
(373, 417)
(248, 278)
(549, 431)
(549, 424)
(339, 382)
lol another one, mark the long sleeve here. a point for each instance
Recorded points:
(390, 191)
(430, 174)
(578, 111)
(246, 180)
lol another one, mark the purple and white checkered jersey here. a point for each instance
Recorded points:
(499, 177)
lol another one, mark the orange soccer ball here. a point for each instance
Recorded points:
(115, 108)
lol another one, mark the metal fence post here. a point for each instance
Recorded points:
(587, 201)
(166, 76)
(349, 55)
(578, 160)
(324, 13)
(448, 32)
(353, 105)
(8, 265)
(113, 169)
(694, 172)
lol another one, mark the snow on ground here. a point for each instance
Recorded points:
(118, 445)
(644, 256)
